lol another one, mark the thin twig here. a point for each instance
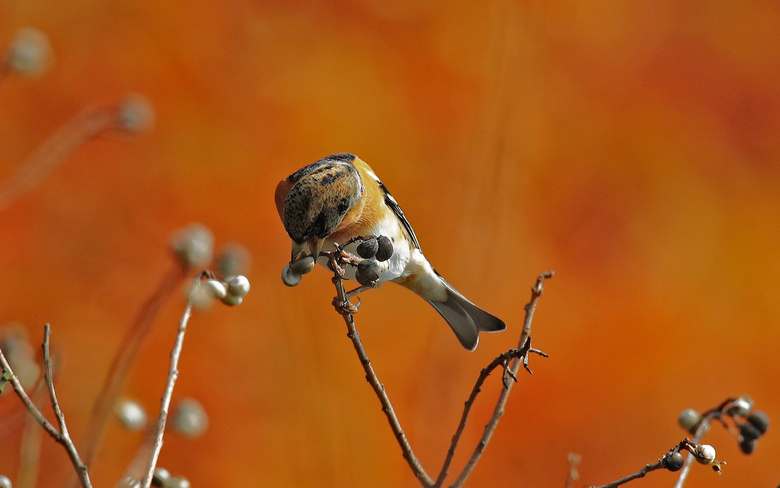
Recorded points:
(639, 474)
(502, 359)
(123, 360)
(498, 411)
(173, 374)
(61, 438)
(50, 381)
(379, 389)
(86, 125)
(81, 468)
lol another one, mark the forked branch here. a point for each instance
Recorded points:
(510, 361)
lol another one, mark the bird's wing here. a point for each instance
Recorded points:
(390, 202)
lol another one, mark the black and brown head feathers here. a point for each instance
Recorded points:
(313, 201)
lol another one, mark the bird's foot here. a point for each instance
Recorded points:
(346, 306)
(359, 290)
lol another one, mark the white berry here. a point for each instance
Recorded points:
(705, 454)
(215, 289)
(238, 286)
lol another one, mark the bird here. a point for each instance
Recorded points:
(338, 199)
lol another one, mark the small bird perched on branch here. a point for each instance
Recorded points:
(339, 198)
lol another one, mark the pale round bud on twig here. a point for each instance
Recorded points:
(190, 418)
(5, 482)
(193, 245)
(200, 297)
(233, 259)
(135, 114)
(178, 482)
(705, 453)
(29, 53)
(238, 285)
(20, 354)
(689, 419)
(290, 277)
(131, 414)
(215, 289)
(161, 477)
(741, 406)
(232, 300)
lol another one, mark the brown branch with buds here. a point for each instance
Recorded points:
(748, 426)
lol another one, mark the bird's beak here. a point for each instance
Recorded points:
(314, 246)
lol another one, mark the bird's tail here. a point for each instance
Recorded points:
(465, 318)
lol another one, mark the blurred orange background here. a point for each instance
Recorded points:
(630, 146)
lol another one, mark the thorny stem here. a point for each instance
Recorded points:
(173, 374)
(123, 360)
(61, 437)
(514, 365)
(378, 387)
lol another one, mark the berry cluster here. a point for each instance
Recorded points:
(231, 291)
(703, 453)
(162, 478)
(748, 424)
(373, 250)
(370, 252)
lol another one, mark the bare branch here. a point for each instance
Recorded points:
(50, 381)
(61, 437)
(639, 474)
(501, 360)
(514, 365)
(343, 307)
(173, 374)
(81, 468)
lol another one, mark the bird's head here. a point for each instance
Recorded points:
(314, 200)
